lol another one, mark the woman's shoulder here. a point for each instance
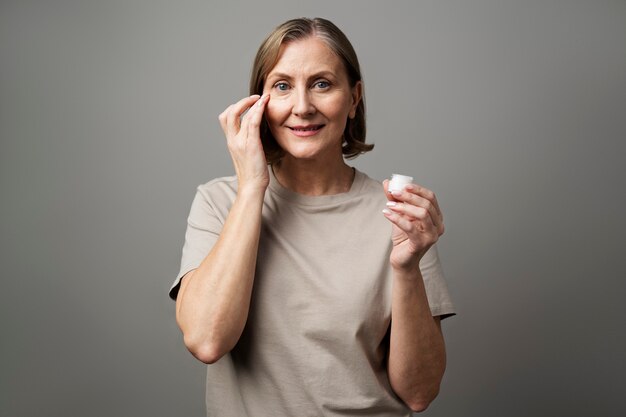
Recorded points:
(222, 189)
(221, 182)
(370, 185)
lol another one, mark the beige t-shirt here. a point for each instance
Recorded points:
(317, 332)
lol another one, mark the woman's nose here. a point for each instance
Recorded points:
(302, 104)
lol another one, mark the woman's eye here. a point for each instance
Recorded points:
(281, 86)
(322, 84)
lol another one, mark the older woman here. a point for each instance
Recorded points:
(303, 298)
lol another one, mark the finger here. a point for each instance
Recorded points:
(419, 214)
(237, 111)
(425, 193)
(252, 120)
(222, 118)
(386, 189)
(409, 199)
(437, 217)
(410, 227)
(233, 114)
(425, 198)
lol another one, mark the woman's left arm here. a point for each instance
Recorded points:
(417, 357)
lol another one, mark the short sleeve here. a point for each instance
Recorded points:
(204, 225)
(439, 298)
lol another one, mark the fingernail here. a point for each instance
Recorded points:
(260, 102)
(386, 211)
(391, 204)
(396, 192)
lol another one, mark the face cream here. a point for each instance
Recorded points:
(398, 182)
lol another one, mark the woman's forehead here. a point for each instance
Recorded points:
(305, 57)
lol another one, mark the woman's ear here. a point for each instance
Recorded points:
(357, 93)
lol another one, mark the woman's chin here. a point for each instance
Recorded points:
(309, 153)
(303, 152)
(310, 149)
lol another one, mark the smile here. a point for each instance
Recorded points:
(309, 130)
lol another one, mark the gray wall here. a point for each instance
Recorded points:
(513, 112)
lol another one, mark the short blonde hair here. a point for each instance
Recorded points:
(267, 56)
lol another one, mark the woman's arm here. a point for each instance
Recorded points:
(214, 299)
(417, 357)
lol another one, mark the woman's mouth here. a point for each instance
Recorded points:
(308, 130)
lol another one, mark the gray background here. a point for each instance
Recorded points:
(513, 112)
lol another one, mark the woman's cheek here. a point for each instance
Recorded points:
(275, 110)
(269, 111)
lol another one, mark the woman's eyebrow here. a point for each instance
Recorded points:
(320, 74)
(278, 75)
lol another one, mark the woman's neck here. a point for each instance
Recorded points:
(309, 177)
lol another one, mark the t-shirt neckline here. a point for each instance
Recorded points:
(317, 200)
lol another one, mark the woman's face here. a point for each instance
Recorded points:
(310, 100)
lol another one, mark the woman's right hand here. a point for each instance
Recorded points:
(244, 141)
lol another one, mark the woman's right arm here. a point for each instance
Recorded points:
(214, 299)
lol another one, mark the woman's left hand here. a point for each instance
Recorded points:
(417, 224)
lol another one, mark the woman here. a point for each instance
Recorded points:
(290, 274)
